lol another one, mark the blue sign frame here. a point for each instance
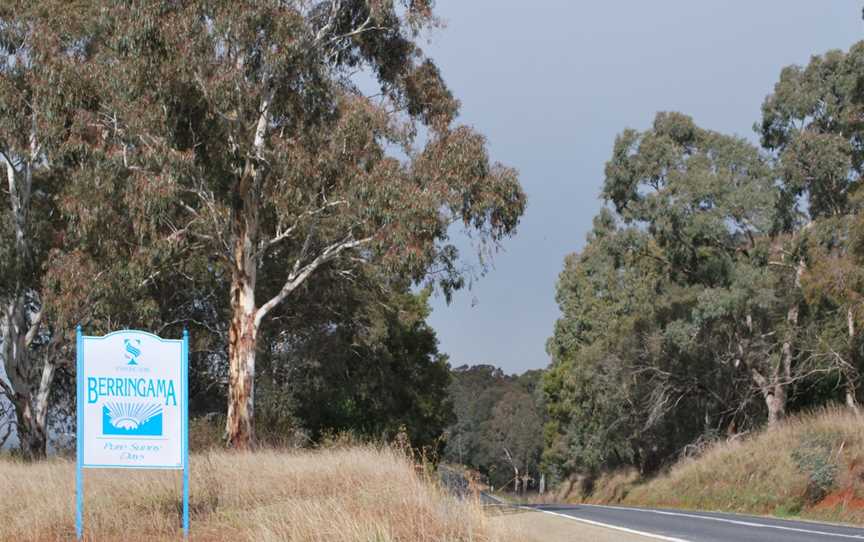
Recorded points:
(80, 394)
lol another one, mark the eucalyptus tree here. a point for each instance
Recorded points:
(515, 430)
(79, 245)
(35, 108)
(475, 390)
(598, 290)
(812, 121)
(709, 201)
(670, 312)
(812, 125)
(629, 382)
(246, 124)
(499, 423)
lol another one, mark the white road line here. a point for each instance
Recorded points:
(733, 521)
(608, 526)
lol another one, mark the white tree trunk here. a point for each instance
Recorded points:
(851, 373)
(516, 480)
(18, 327)
(775, 401)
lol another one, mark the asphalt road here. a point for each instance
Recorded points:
(681, 525)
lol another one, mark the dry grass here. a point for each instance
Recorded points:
(810, 466)
(358, 494)
(615, 486)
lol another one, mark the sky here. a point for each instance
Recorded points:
(550, 83)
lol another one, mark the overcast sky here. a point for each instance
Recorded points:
(551, 82)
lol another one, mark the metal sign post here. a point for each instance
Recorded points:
(185, 377)
(132, 399)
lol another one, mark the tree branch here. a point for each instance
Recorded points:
(300, 274)
(34, 328)
(281, 234)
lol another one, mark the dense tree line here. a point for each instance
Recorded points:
(216, 165)
(721, 286)
(499, 425)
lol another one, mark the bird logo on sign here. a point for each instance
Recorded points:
(132, 350)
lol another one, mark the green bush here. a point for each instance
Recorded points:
(815, 457)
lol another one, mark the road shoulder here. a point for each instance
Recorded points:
(532, 526)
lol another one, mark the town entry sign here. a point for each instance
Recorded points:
(132, 407)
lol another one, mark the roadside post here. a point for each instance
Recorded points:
(132, 407)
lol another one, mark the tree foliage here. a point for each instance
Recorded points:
(721, 285)
(360, 358)
(70, 254)
(499, 423)
(182, 151)
(239, 131)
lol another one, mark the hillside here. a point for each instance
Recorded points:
(356, 494)
(810, 466)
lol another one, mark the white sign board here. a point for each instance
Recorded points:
(131, 401)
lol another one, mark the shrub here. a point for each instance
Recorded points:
(815, 457)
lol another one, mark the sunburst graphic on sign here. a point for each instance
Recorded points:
(133, 419)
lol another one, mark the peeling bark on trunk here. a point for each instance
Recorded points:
(243, 333)
(240, 427)
(32, 429)
(34, 437)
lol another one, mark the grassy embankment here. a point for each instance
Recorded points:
(811, 466)
(350, 494)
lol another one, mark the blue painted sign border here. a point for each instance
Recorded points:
(79, 433)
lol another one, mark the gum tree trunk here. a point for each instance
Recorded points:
(516, 479)
(243, 332)
(248, 245)
(31, 413)
(19, 325)
(242, 336)
(774, 389)
(850, 372)
(31, 407)
(245, 321)
(775, 400)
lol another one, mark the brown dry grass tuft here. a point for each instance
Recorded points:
(358, 494)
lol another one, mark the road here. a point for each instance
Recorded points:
(680, 525)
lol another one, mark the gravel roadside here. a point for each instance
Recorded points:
(529, 526)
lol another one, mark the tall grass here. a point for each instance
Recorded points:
(355, 494)
(810, 466)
